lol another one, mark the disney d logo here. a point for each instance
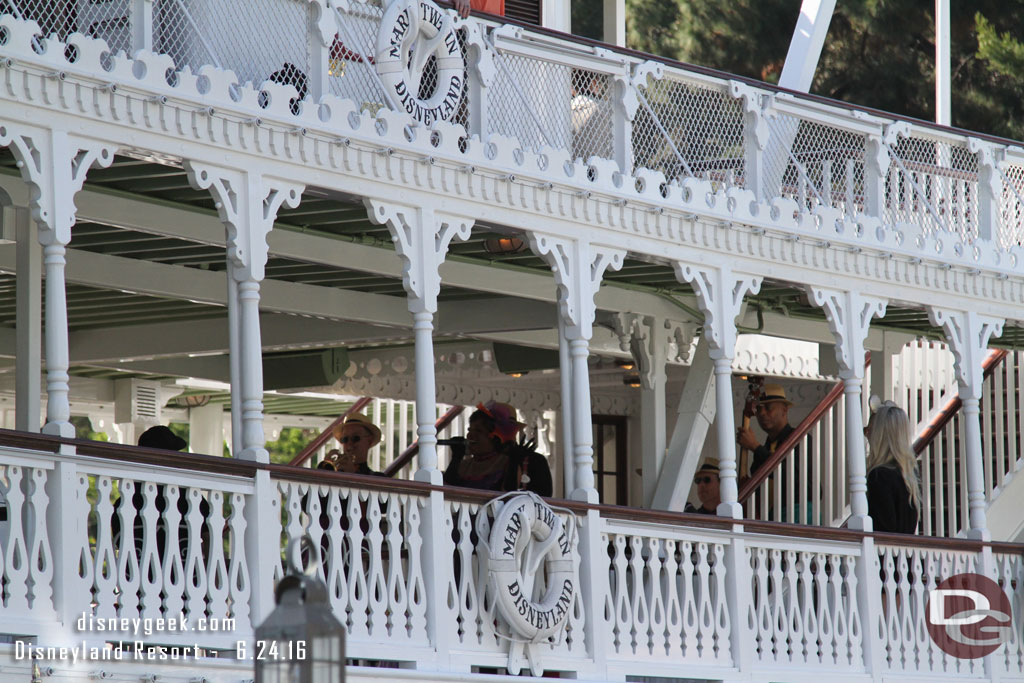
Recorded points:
(968, 616)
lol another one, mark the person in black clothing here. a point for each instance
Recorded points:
(492, 460)
(894, 498)
(162, 438)
(773, 417)
(708, 491)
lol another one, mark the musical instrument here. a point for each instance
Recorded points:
(331, 461)
(755, 385)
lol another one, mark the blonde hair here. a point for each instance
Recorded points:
(889, 444)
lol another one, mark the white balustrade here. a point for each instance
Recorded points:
(907, 576)
(803, 604)
(366, 547)
(667, 596)
(663, 594)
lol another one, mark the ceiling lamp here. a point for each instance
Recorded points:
(504, 245)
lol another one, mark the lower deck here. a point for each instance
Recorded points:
(402, 561)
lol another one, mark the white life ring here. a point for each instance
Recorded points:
(546, 538)
(420, 27)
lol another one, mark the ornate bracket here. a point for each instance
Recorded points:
(54, 164)
(578, 268)
(849, 317)
(720, 295)
(247, 204)
(653, 342)
(968, 334)
(421, 238)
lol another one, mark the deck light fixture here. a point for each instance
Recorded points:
(504, 245)
(301, 641)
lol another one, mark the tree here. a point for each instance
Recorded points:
(878, 53)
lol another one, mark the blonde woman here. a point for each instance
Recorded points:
(894, 494)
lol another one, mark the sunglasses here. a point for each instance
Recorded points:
(350, 439)
(703, 480)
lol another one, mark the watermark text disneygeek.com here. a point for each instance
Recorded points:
(148, 626)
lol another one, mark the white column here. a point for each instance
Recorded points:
(565, 416)
(968, 334)
(990, 186)
(849, 317)
(615, 22)
(247, 204)
(755, 138)
(29, 343)
(206, 429)
(54, 164)
(234, 360)
(421, 238)
(142, 24)
(578, 268)
(943, 81)
(646, 338)
(720, 295)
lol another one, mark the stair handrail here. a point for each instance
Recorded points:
(768, 466)
(405, 456)
(320, 440)
(952, 407)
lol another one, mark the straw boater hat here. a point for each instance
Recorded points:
(362, 421)
(772, 393)
(710, 466)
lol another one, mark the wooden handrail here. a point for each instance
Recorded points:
(101, 450)
(769, 465)
(319, 441)
(405, 456)
(952, 407)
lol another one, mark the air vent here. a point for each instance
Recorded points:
(523, 10)
(137, 400)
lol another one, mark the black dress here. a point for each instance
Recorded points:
(889, 501)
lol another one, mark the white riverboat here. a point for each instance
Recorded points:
(246, 215)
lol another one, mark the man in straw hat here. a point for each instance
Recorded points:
(773, 417)
(357, 436)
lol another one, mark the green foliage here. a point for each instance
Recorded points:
(289, 444)
(83, 429)
(588, 18)
(878, 53)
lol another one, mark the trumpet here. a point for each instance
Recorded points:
(332, 461)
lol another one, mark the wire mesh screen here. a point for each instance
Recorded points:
(258, 41)
(934, 184)
(689, 128)
(814, 164)
(109, 20)
(1011, 206)
(542, 103)
(351, 69)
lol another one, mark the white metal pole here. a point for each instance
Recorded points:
(943, 106)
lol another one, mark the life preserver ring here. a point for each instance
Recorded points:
(420, 27)
(527, 525)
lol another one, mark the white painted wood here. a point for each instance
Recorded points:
(29, 321)
(697, 410)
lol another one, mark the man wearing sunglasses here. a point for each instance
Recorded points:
(357, 436)
(708, 493)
